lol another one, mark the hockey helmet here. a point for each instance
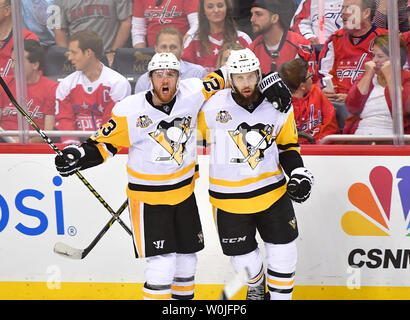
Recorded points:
(164, 60)
(242, 61)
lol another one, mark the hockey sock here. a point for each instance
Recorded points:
(159, 273)
(281, 270)
(156, 292)
(183, 286)
(253, 262)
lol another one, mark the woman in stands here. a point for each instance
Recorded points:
(216, 26)
(369, 99)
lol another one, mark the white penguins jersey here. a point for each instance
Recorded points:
(245, 175)
(161, 140)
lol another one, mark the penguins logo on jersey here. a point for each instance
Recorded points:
(223, 116)
(173, 136)
(143, 121)
(252, 141)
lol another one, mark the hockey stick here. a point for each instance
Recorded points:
(233, 286)
(58, 151)
(73, 253)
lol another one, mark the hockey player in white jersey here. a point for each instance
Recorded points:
(159, 128)
(253, 146)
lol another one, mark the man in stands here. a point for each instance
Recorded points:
(111, 19)
(275, 43)
(85, 98)
(345, 53)
(306, 19)
(40, 93)
(6, 37)
(347, 50)
(169, 39)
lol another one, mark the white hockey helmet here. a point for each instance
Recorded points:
(242, 61)
(164, 60)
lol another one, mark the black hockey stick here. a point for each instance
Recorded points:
(73, 253)
(58, 151)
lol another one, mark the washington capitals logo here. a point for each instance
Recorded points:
(252, 141)
(173, 136)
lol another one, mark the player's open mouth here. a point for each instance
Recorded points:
(165, 90)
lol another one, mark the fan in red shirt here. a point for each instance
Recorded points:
(40, 93)
(216, 27)
(345, 53)
(314, 114)
(85, 98)
(151, 15)
(6, 37)
(275, 43)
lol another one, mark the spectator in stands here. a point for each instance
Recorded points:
(40, 93)
(226, 51)
(314, 114)
(151, 15)
(169, 39)
(343, 56)
(306, 19)
(216, 26)
(6, 37)
(275, 43)
(85, 98)
(35, 16)
(369, 98)
(347, 50)
(111, 19)
(380, 16)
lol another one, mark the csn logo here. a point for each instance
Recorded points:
(372, 217)
(5, 210)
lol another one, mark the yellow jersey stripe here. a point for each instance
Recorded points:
(244, 182)
(161, 177)
(250, 205)
(171, 197)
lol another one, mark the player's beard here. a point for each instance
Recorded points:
(246, 100)
(165, 97)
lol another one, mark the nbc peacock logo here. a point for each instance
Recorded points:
(373, 212)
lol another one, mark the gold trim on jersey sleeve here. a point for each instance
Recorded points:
(114, 132)
(161, 177)
(287, 138)
(212, 83)
(203, 130)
